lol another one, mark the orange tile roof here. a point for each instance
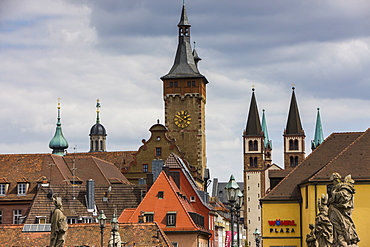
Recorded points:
(171, 202)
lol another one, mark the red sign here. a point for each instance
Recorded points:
(279, 222)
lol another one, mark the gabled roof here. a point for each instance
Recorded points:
(57, 170)
(172, 201)
(334, 145)
(354, 160)
(117, 197)
(121, 159)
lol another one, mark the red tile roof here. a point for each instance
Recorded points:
(132, 234)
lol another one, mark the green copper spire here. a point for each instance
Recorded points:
(319, 135)
(58, 143)
(268, 143)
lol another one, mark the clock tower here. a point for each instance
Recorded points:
(184, 94)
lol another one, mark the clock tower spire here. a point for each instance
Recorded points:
(184, 94)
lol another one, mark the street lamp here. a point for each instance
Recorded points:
(238, 205)
(232, 191)
(102, 219)
(257, 237)
(114, 226)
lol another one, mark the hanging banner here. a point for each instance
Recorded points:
(228, 238)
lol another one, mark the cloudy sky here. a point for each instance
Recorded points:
(116, 50)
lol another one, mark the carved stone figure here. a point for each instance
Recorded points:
(59, 225)
(340, 212)
(311, 238)
(323, 227)
(116, 237)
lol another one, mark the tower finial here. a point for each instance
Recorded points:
(97, 110)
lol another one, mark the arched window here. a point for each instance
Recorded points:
(96, 145)
(293, 144)
(253, 162)
(101, 146)
(253, 145)
(293, 161)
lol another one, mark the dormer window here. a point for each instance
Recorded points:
(22, 189)
(3, 189)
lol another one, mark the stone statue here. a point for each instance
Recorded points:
(59, 224)
(341, 205)
(311, 238)
(117, 238)
(323, 227)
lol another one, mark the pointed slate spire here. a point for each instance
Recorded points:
(196, 57)
(253, 127)
(294, 126)
(185, 64)
(319, 135)
(58, 143)
(267, 142)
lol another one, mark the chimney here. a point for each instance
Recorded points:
(90, 195)
(166, 170)
(149, 181)
(176, 177)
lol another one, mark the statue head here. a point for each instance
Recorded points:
(311, 226)
(336, 178)
(57, 202)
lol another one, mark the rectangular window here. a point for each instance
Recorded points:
(158, 151)
(175, 84)
(1, 216)
(41, 219)
(2, 189)
(22, 189)
(145, 167)
(171, 219)
(71, 220)
(192, 83)
(17, 214)
(149, 217)
(171, 83)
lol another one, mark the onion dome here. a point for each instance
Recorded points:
(98, 128)
(58, 143)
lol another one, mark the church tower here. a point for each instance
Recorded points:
(294, 136)
(58, 143)
(184, 93)
(98, 134)
(253, 139)
(257, 150)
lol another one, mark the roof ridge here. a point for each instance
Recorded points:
(341, 153)
(100, 169)
(172, 185)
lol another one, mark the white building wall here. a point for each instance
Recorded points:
(252, 204)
